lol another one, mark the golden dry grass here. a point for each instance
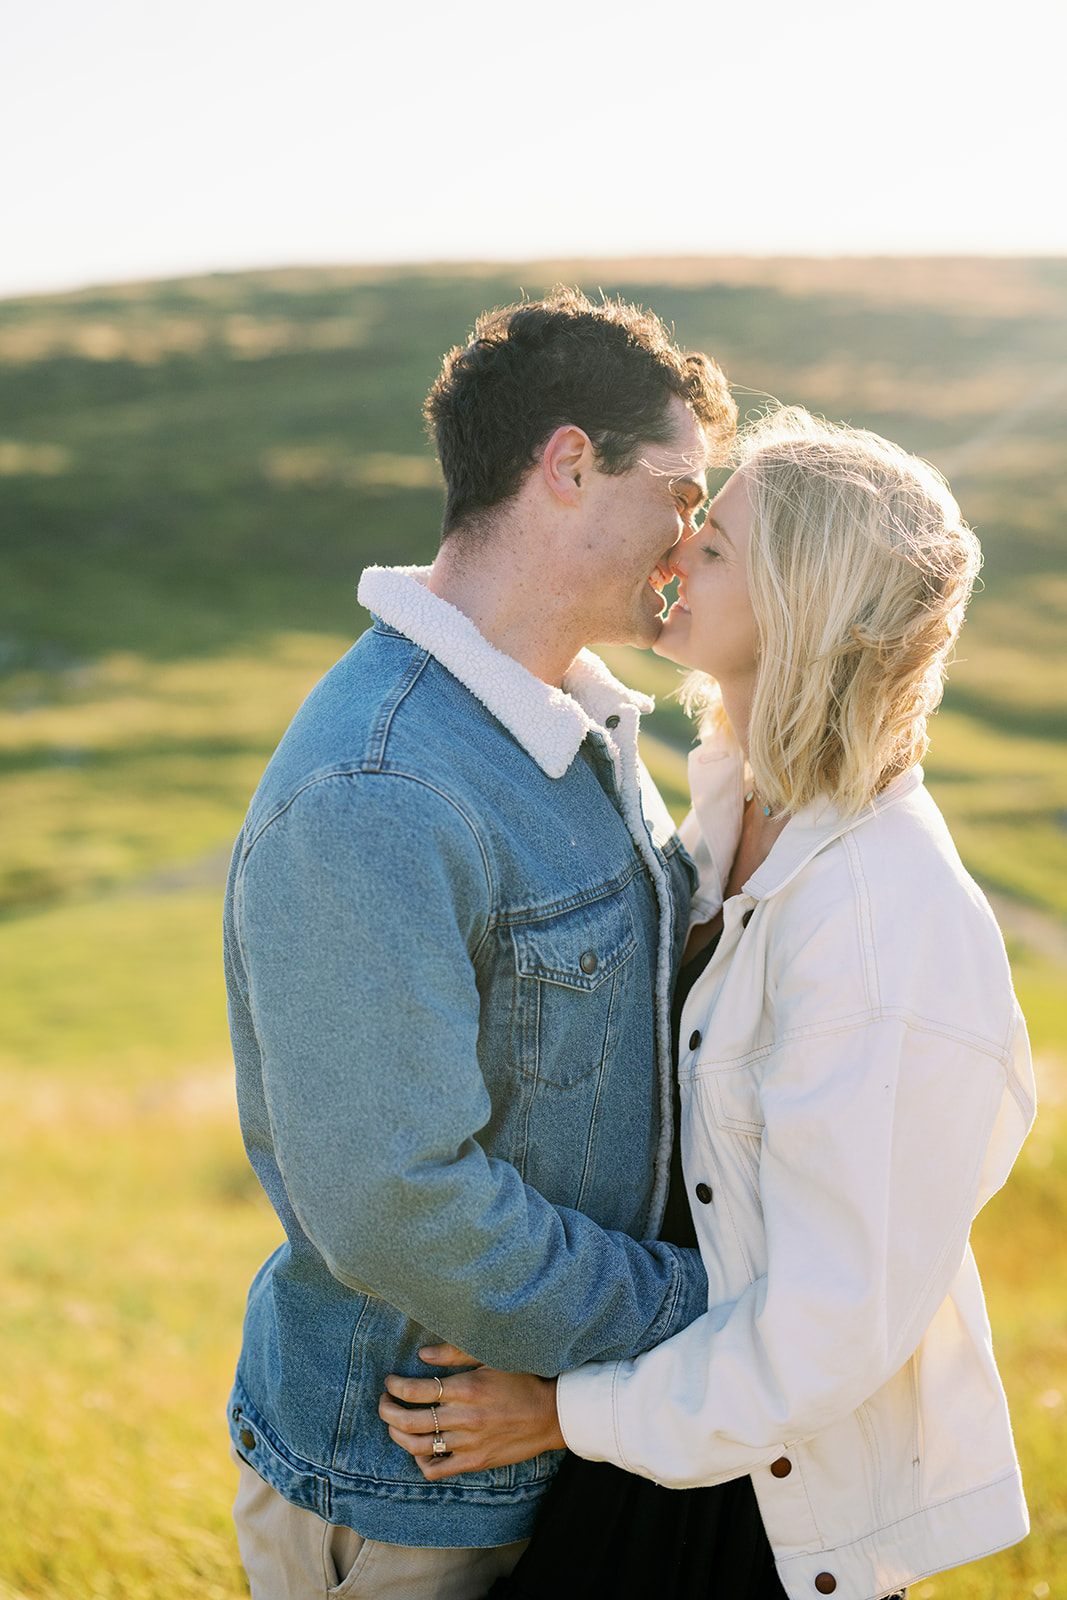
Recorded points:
(132, 1223)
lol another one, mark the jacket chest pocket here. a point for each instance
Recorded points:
(727, 1148)
(571, 976)
(729, 1102)
(733, 1097)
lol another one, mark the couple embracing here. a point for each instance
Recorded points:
(661, 1149)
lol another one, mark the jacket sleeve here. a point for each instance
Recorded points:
(873, 1141)
(357, 911)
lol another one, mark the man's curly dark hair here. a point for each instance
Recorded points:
(609, 369)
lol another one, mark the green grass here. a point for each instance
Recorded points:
(133, 767)
(133, 1224)
(192, 476)
(133, 1227)
(1021, 1247)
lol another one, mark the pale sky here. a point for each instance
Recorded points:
(149, 138)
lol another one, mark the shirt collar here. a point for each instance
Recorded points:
(716, 782)
(549, 723)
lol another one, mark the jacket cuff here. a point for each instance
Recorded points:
(585, 1404)
(687, 1301)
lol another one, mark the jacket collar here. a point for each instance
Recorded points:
(549, 723)
(716, 781)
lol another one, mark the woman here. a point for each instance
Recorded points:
(854, 1084)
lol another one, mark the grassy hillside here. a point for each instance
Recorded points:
(188, 467)
(183, 462)
(192, 475)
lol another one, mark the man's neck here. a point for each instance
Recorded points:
(518, 610)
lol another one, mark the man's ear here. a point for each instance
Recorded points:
(567, 458)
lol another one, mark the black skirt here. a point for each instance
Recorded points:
(604, 1532)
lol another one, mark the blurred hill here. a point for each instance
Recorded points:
(184, 463)
(202, 466)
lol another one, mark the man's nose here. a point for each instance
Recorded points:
(679, 555)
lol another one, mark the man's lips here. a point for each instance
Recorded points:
(660, 576)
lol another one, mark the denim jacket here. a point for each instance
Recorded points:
(450, 936)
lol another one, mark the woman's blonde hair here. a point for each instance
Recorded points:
(860, 568)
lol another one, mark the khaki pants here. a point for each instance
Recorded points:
(291, 1554)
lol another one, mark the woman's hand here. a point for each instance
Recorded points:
(486, 1418)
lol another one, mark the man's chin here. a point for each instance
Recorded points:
(646, 632)
(640, 632)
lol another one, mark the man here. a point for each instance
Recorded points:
(453, 917)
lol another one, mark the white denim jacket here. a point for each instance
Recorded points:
(856, 1083)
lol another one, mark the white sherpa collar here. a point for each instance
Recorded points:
(549, 723)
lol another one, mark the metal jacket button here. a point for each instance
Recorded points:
(703, 1194)
(248, 1439)
(588, 961)
(826, 1583)
(782, 1467)
(694, 1039)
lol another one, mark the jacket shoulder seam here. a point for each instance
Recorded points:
(361, 771)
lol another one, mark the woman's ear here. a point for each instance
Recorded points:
(567, 457)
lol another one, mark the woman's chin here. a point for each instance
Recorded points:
(670, 647)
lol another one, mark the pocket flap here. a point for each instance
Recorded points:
(734, 1096)
(578, 948)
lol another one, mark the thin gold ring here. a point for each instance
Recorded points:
(440, 1390)
(436, 1424)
